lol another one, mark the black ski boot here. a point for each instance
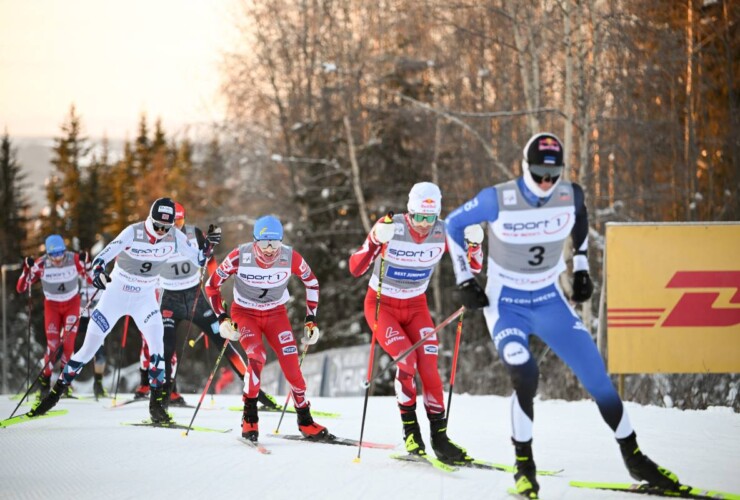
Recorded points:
(44, 386)
(309, 428)
(411, 431)
(446, 451)
(50, 400)
(250, 420)
(98, 390)
(642, 468)
(142, 391)
(158, 406)
(525, 476)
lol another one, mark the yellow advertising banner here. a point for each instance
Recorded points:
(673, 298)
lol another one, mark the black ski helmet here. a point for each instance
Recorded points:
(163, 211)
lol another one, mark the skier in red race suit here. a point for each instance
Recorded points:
(261, 272)
(60, 272)
(414, 243)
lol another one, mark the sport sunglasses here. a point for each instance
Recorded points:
(423, 218)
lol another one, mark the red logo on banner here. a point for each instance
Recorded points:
(694, 308)
(697, 308)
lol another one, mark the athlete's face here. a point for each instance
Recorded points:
(56, 258)
(422, 223)
(179, 223)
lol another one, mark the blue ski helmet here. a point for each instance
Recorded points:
(268, 227)
(55, 245)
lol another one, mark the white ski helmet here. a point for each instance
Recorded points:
(543, 158)
(425, 198)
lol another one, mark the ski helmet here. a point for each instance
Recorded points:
(161, 215)
(179, 216)
(268, 227)
(268, 235)
(425, 198)
(55, 246)
(543, 159)
(179, 211)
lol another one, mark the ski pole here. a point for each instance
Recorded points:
(198, 293)
(54, 359)
(290, 393)
(370, 365)
(454, 361)
(28, 337)
(192, 343)
(423, 339)
(120, 358)
(208, 384)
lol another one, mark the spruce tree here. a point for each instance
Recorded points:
(13, 204)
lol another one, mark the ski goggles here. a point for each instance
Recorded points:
(543, 173)
(263, 244)
(424, 218)
(161, 228)
(56, 255)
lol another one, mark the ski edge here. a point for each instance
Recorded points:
(689, 492)
(426, 459)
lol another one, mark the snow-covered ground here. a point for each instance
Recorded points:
(88, 454)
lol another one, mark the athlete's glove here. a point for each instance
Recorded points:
(214, 235)
(100, 277)
(84, 256)
(383, 230)
(227, 328)
(583, 287)
(28, 263)
(311, 331)
(472, 295)
(474, 235)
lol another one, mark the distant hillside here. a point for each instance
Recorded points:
(34, 155)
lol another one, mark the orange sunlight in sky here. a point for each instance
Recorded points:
(113, 60)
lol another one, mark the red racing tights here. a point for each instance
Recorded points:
(401, 323)
(60, 317)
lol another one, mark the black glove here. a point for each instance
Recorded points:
(214, 235)
(100, 277)
(583, 287)
(84, 256)
(222, 317)
(28, 262)
(472, 295)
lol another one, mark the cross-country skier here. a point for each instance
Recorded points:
(414, 244)
(181, 284)
(59, 271)
(143, 248)
(261, 272)
(529, 218)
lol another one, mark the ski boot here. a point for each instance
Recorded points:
(309, 428)
(411, 431)
(142, 391)
(446, 451)
(44, 386)
(175, 398)
(525, 476)
(158, 407)
(250, 420)
(268, 402)
(642, 468)
(50, 400)
(98, 390)
(69, 393)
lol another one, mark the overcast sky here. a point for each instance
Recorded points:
(113, 60)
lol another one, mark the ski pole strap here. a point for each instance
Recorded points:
(423, 339)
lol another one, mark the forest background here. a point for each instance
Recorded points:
(337, 107)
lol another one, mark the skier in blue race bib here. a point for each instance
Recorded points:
(529, 219)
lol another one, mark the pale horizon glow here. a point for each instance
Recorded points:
(113, 61)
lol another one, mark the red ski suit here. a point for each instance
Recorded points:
(403, 316)
(260, 294)
(61, 303)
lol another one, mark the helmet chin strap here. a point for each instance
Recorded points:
(533, 186)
